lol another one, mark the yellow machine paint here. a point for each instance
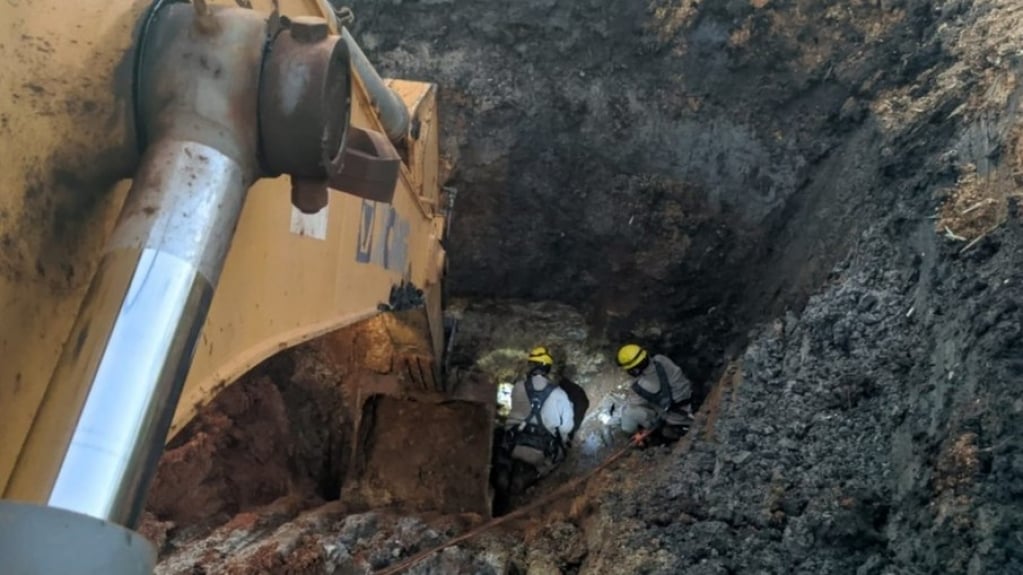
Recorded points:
(67, 147)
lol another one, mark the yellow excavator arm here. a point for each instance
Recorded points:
(187, 190)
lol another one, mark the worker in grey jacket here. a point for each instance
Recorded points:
(538, 430)
(660, 404)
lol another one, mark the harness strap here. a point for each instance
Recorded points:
(536, 401)
(662, 398)
(532, 432)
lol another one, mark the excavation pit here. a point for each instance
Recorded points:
(758, 190)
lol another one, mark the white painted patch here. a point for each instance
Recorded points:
(310, 225)
(504, 398)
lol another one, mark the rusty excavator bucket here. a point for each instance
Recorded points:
(418, 443)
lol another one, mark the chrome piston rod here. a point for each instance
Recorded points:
(140, 322)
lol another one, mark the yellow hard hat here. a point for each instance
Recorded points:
(630, 355)
(540, 355)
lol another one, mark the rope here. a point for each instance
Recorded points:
(422, 555)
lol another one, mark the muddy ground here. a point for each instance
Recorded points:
(824, 195)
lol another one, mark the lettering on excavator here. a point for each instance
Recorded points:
(389, 247)
(365, 245)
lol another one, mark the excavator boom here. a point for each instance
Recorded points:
(190, 189)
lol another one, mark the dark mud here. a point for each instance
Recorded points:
(874, 433)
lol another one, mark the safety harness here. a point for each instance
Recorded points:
(532, 433)
(662, 399)
(536, 401)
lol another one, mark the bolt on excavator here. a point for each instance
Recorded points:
(188, 190)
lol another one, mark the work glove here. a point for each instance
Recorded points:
(639, 438)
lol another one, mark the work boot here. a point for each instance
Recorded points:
(664, 435)
(672, 433)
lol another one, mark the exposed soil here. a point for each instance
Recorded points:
(822, 195)
(341, 417)
(279, 432)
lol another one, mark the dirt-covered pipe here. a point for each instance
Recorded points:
(392, 111)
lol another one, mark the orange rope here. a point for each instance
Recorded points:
(422, 555)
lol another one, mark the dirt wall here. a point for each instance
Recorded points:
(688, 170)
(282, 431)
(680, 169)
